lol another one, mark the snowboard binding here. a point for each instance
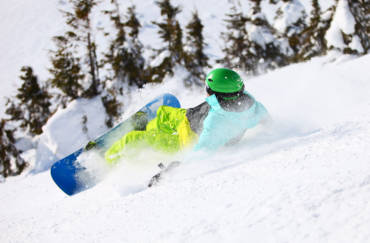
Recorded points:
(164, 169)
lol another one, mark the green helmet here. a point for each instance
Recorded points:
(223, 80)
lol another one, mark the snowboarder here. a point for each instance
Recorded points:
(221, 120)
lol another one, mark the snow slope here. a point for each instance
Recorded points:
(306, 179)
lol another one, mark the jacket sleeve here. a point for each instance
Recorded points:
(118, 149)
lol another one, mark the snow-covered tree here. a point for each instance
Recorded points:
(290, 23)
(124, 58)
(135, 65)
(360, 10)
(266, 49)
(115, 55)
(125, 51)
(11, 163)
(349, 29)
(196, 60)
(79, 19)
(31, 105)
(66, 74)
(313, 42)
(171, 33)
(251, 42)
(236, 51)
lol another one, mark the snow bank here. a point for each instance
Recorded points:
(335, 97)
(68, 130)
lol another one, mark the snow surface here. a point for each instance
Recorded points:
(64, 133)
(306, 179)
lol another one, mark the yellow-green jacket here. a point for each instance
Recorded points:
(169, 132)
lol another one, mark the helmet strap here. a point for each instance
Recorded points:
(231, 98)
(225, 96)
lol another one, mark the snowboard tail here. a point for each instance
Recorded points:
(66, 171)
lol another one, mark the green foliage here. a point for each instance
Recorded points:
(83, 8)
(241, 50)
(11, 163)
(80, 15)
(171, 33)
(236, 41)
(360, 10)
(72, 71)
(66, 70)
(124, 59)
(270, 55)
(31, 106)
(125, 53)
(195, 59)
(80, 21)
(313, 42)
(134, 67)
(294, 34)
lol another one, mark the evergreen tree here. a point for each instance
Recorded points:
(66, 70)
(117, 49)
(313, 43)
(125, 53)
(350, 35)
(11, 163)
(291, 23)
(360, 10)
(115, 59)
(171, 33)
(237, 45)
(196, 60)
(32, 104)
(124, 58)
(134, 66)
(265, 48)
(80, 22)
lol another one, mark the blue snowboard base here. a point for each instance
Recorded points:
(66, 172)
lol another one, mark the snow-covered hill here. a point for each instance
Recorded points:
(306, 179)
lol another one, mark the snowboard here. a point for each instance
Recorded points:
(66, 172)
